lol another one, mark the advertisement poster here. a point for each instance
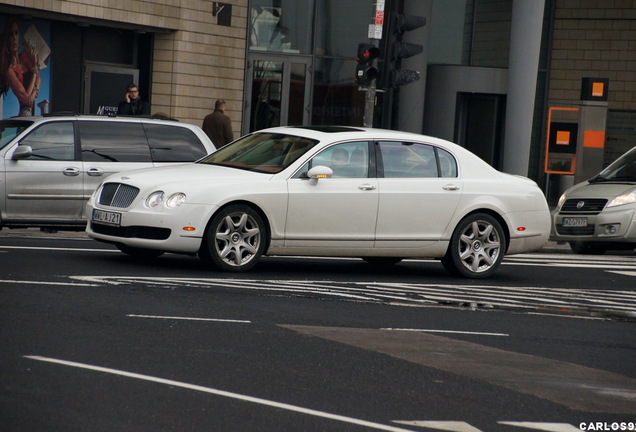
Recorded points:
(25, 66)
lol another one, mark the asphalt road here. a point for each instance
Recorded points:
(93, 340)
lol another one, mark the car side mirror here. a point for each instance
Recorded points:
(22, 152)
(319, 172)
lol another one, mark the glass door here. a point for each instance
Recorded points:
(277, 92)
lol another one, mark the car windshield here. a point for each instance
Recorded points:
(261, 152)
(623, 169)
(9, 129)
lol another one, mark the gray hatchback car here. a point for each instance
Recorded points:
(599, 214)
(50, 166)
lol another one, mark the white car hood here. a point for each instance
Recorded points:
(188, 174)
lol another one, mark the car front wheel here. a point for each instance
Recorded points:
(477, 247)
(235, 239)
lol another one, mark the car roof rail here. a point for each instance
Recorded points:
(61, 113)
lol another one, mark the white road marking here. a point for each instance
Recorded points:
(624, 273)
(528, 299)
(59, 249)
(223, 393)
(458, 426)
(454, 426)
(446, 331)
(550, 427)
(189, 318)
(10, 281)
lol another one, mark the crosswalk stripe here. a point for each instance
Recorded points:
(561, 300)
(550, 427)
(459, 426)
(453, 426)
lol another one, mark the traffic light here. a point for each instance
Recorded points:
(366, 72)
(393, 75)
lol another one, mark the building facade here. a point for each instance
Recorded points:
(499, 77)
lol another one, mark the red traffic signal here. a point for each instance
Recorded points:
(365, 71)
(367, 53)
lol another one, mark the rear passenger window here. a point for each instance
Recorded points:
(174, 144)
(447, 163)
(109, 141)
(52, 141)
(408, 160)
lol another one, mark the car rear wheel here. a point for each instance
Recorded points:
(235, 239)
(477, 247)
(587, 248)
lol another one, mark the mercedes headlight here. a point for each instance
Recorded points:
(626, 198)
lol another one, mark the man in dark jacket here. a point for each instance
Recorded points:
(133, 105)
(218, 126)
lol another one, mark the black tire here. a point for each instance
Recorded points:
(140, 253)
(587, 248)
(477, 247)
(382, 261)
(235, 239)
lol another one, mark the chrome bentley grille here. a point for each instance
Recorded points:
(117, 195)
(580, 206)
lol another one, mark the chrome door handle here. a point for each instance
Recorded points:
(72, 172)
(366, 186)
(94, 172)
(450, 187)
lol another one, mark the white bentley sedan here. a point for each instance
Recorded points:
(333, 191)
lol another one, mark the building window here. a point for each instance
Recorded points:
(281, 26)
(341, 25)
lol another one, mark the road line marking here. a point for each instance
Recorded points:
(188, 318)
(447, 331)
(454, 426)
(550, 427)
(624, 273)
(223, 393)
(59, 249)
(46, 283)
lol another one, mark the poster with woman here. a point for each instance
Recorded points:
(25, 66)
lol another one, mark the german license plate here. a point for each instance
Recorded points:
(574, 222)
(106, 217)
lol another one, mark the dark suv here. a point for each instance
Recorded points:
(49, 166)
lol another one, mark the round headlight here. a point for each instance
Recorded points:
(154, 199)
(175, 200)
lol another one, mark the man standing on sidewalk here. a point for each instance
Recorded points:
(218, 126)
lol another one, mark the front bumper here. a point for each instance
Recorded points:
(171, 230)
(611, 225)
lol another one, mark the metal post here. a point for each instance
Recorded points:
(369, 105)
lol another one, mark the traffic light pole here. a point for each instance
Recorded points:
(369, 105)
